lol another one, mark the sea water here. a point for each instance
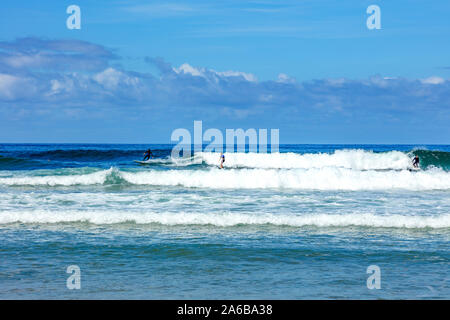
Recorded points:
(306, 222)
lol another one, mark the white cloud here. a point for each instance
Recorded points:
(247, 76)
(21, 60)
(56, 86)
(433, 80)
(13, 86)
(211, 74)
(62, 85)
(238, 93)
(284, 78)
(339, 82)
(111, 78)
(186, 68)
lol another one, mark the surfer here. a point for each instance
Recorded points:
(222, 160)
(416, 162)
(147, 154)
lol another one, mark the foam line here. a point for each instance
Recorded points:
(319, 179)
(228, 219)
(350, 159)
(58, 180)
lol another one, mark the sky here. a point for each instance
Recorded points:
(137, 70)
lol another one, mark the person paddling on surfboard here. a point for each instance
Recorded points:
(222, 160)
(416, 162)
(147, 154)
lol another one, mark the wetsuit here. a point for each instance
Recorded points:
(147, 155)
(222, 160)
(416, 162)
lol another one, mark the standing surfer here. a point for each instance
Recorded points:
(147, 154)
(222, 160)
(416, 162)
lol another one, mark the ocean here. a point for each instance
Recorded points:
(304, 223)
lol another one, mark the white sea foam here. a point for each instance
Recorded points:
(319, 179)
(227, 219)
(327, 178)
(351, 159)
(98, 177)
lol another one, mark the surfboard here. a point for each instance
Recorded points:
(414, 169)
(142, 162)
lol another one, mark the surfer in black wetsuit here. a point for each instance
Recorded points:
(147, 154)
(416, 162)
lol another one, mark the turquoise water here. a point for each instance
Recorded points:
(302, 224)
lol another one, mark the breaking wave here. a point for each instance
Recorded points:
(327, 178)
(319, 179)
(440, 159)
(355, 159)
(99, 177)
(350, 159)
(228, 219)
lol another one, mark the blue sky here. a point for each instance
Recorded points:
(139, 69)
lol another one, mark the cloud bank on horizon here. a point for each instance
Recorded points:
(73, 82)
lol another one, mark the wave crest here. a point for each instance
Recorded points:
(316, 179)
(327, 178)
(228, 219)
(349, 159)
(98, 177)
